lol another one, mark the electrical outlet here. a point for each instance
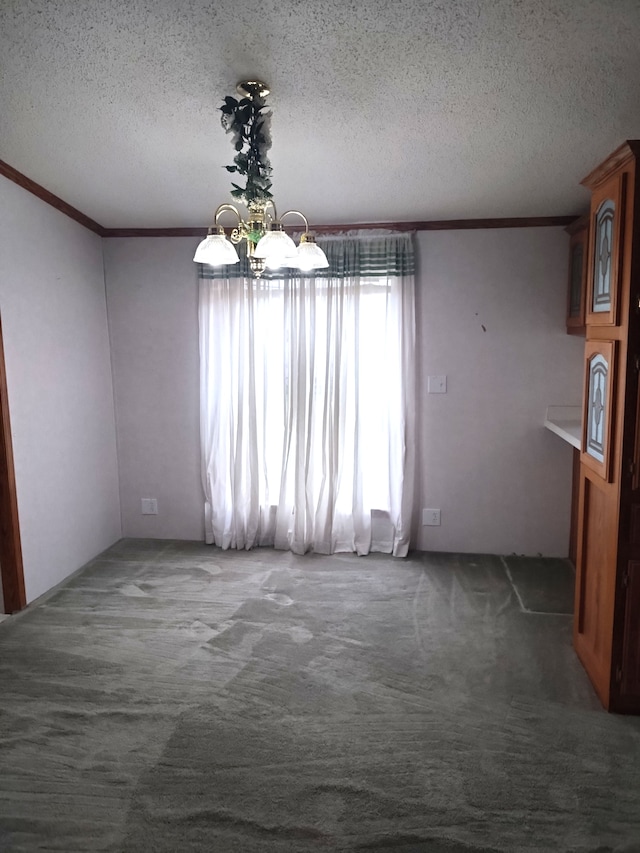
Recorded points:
(431, 518)
(149, 506)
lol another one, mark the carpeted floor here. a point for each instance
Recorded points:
(173, 697)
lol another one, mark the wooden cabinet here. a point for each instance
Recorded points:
(577, 286)
(607, 611)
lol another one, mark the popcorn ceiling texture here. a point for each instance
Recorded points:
(382, 110)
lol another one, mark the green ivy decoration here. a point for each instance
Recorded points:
(249, 121)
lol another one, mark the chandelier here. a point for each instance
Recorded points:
(268, 246)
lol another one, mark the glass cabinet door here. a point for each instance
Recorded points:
(597, 415)
(604, 252)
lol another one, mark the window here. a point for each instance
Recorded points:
(307, 402)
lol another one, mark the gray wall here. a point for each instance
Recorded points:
(502, 482)
(153, 316)
(52, 299)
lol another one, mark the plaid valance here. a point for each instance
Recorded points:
(363, 256)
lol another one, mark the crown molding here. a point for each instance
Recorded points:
(155, 232)
(414, 225)
(452, 224)
(55, 201)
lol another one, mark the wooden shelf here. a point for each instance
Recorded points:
(565, 421)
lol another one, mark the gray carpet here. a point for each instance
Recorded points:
(172, 697)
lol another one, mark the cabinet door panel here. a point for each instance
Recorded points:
(595, 579)
(604, 253)
(597, 420)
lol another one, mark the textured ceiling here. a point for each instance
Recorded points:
(382, 110)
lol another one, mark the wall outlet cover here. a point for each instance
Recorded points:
(149, 506)
(431, 518)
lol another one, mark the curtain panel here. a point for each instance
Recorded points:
(308, 402)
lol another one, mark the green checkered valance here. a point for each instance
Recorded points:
(362, 256)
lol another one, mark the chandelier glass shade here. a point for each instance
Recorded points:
(268, 246)
(215, 250)
(275, 243)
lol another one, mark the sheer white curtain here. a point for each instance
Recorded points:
(307, 403)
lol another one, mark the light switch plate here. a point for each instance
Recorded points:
(437, 385)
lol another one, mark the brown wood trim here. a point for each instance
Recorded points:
(625, 152)
(453, 224)
(420, 225)
(155, 232)
(11, 567)
(48, 197)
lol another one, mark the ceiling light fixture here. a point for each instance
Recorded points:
(268, 246)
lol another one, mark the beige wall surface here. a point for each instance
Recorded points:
(500, 479)
(52, 299)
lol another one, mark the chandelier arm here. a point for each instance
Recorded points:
(298, 213)
(221, 209)
(271, 203)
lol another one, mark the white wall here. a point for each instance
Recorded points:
(152, 295)
(502, 482)
(52, 299)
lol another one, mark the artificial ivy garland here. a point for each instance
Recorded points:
(249, 122)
